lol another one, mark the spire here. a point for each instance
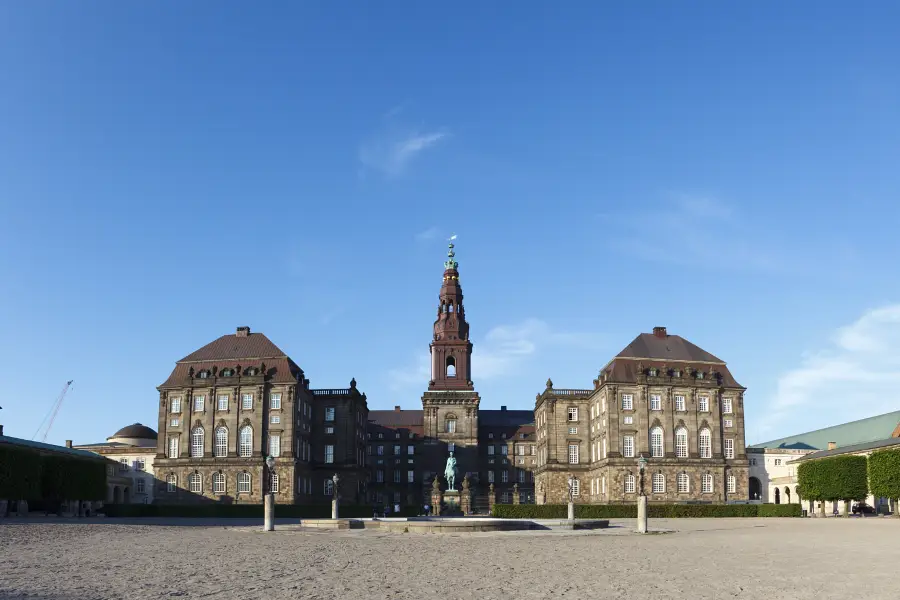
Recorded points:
(451, 263)
(451, 349)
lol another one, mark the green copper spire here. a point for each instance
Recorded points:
(450, 263)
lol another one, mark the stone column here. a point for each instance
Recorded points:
(269, 524)
(492, 499)
(436, 497)
(642, 514)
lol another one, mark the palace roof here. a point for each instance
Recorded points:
(863, 431)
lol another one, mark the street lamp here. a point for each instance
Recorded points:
(642, 499)
(642, 464)
(268, 496)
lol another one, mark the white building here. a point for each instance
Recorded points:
(772, 479)
(133, 480)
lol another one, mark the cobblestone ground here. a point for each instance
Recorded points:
(702, 558)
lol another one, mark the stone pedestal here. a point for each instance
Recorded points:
(642, 514)
(452, 500)
(436, 498)
(465, 498)
(269, 518)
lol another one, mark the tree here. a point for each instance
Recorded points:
(834, 478)
(884, 475)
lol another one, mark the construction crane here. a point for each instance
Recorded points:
(52, 413)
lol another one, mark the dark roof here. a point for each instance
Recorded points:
(397, 418)
(136, 430)
(871, 429)
(851, 449)
(626, 370)
(505, 418)
(234, 346)
(670, 347)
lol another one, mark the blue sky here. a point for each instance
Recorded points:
(169, 171)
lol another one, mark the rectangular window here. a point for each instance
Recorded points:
(139, 486)
(379, 450)
(576, 487)
(329, 486)
(223, 403)
(521, 476)
(490, 436)
(274, 445)
(139, 464)
(396, 449)
(726, 406)
(176, 405)
(329, 453)
(329, 413)
(174, 422)
(396, 476)
(504, 476)
(573, 430)
(603, 484)
(629, 484)
(656, 443)
(410, 477)
(573, 413)
(451, 425)
(410, 450)
(533, 449)
(275, 401)
(490, 450)
(123, 464)
(729, 448)
(679, 404)
(247, 402)
(520, 450)
(173, 447)
(604, 447)
(379, 476)
(199, 401)
(329, 430)
(629, 420)
(706, 485)
(704, 403)
(628, 446)
(276, 419)
(490, 477)
(573, 454)
(627, 402)
(728, 423)
(655, 402)
(777, 462)
(504, 450)
(171, 483)
(732, 484)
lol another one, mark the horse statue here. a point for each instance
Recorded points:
(450, 472)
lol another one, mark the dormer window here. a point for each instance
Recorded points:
(699, 374)
(203, 374)
(251, 371)
(227, 373)
(676, 373)
(652, 372)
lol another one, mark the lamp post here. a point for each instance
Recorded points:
(334, 496)
(642, 499)
(269, 496)
(571, 498)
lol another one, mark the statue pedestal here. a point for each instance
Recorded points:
(451, 499)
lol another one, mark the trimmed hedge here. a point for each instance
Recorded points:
(834, 478)
(27, 475)
(243, 511)
(20, 473)
(655, 511)
(884, 473)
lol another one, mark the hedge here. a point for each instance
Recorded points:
(884, 473)
(656, 511)
(20, 473)
(834, 478)
(27, 475)
(243, 511)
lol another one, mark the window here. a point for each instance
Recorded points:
(729, 448)
(175, 422)
(659, 483)
(273, 482)
(379, 476)
(603, 484)
(679, 404)
(576, 487)
(410, 477)
(683, 483)
(410, 450)
(451, 447)
(274, 445)
(490, 450)
(705, 444)
(704, 403)
(520, 450)
(195, 483)
(379, 450)
(329, 430)
(726, 406)
(490, 436)
(629, 483)
(245, 446)
(218, 483)
(275, 420)
(504, 476)
(173, 447)
(329, 413)
(203, 375)
(197, 442)
(275, 401)
(176, 405)
(655, 402)
(450, 425)
(521, 476)
(396, 476)
(199, 401)
(573, 454)
(171, 483)
(247, 402)
(732, 484)
(627, 402)
(706, 485)
(329, 453)
(329, 484)
(503, 450)
(656, 442)
(604, 448)
(628, 446)
(243, 483)
(226, 373)
(490, 477)
(139, 485)
(533, 449)
(777, 462)
(573, 413)
(727, 423)
(221, 448)
(573, 430)
(123, 464)
(139, 464)
(223, 403)
(629, 420)
(752, 462)
(681, 442)
(396, 449)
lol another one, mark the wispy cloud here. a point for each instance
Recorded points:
(390, 152)
(856, 376)
(427, 235)
(506, 350)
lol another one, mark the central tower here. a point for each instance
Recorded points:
(451, 350)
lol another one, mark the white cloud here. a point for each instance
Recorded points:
(427, 235)
(505, 350)
(391, 152)
(856, 376)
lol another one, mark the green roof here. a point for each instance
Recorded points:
(863, 431)
(41, 446)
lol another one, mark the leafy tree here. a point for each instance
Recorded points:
(884, 474)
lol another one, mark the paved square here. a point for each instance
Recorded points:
(703, 558)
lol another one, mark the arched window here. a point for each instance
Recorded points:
(683, 483)
(705, 443)
(656, 442)
(681, 442)
(221, 442)
(246, 442)
(197, 442)
(171, 482)
(195, 483)
(706, 485)
(659, 483)
(273, 483)
(450, 424)
(218, 483)
(243, 483)
(731, 486)
(451, 366)
(629, 483)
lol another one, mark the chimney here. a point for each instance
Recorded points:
(243, 331)
(503, 408)
(1, 429)
(832, 445)
(68, 443)
(396, 409)
(659, 332)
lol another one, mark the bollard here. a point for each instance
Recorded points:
(642, 514)
(334, 508)
(269, 524)
(571, 511)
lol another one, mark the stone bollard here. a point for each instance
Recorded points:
(642, 514)
(269, 518)
(571, 511)
(334, 508)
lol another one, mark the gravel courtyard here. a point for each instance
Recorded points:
(701, 558)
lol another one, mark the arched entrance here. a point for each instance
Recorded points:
(755, 489)
(787, 495)
(126, 496)
(117, 495)
(777, 496)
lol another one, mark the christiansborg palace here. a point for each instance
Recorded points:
(238, 399)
